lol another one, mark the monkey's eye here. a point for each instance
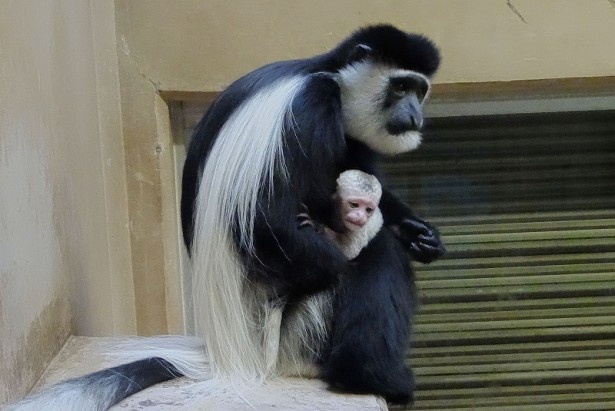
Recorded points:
(399, 87)
(369, 210)
(403, 86)
(353, 204)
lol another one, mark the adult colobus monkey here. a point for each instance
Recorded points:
(274, 140)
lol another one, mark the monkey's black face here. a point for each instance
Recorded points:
(403, 102)
(382, 105)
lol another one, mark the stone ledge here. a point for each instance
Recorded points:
(81, 355)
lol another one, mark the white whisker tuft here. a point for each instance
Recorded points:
(363, 88)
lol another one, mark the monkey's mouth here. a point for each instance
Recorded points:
(354, 225)
(398, 128)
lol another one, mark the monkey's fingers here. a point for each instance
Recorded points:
(426, 252)
(418, 227)
(304, 220)
(306, 224)
(422, 239)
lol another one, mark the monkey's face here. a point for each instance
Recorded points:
(356, 210)
(382, 106)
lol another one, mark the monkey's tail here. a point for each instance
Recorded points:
(165, 358)
(100, 390)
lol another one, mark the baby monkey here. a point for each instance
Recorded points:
(356, 212)
(295, 349)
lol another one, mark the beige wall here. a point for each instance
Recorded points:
(60, 213)
(205, 44)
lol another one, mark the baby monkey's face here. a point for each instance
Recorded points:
(356, 208)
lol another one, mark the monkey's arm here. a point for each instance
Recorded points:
(421, 238)
(304, 261)
(297, 262)
(350, 242)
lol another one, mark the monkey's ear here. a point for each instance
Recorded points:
(358, 53)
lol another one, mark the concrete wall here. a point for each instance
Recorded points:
(58, 179)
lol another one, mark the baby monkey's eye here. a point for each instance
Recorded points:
(369, 210)
(353, 204)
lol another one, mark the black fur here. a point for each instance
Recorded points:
(102, 389)
(387, 45)
(375, 303)
(371, 330)
(137, 376)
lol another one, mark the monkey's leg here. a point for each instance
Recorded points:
(371, 327)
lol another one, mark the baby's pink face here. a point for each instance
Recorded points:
(356, 209)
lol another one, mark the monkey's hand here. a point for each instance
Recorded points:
(330, 234)
(289, 253)
(422, 238)
(304, 220)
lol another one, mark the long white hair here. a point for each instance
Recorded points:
(229, 311)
